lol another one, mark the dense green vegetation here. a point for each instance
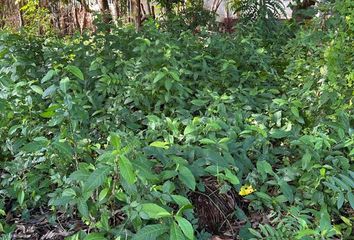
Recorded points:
(130, 131)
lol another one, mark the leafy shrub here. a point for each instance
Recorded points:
(121, 129)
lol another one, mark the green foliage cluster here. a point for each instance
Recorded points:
(130, 123)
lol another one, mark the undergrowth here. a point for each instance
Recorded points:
(129, 131)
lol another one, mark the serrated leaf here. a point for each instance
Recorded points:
(126, 170)
(75, 71)
(187, 177)
(96, 178)
(150, 232)
(186, 227)
(154, 211)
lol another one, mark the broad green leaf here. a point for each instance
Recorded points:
(206, 141)
(126, 169)
(37, 89)
(349, 181)
(49, 91)
(264, 196)
(20, 197)
(295, 111)
(346, 221)
(279, 133)
(189, 129)
(95, 236)
(341, 184)
(79, 175)
(159, 144)
(350, 197)
(150, 232)
(50, 74)
(159, 76)
(69, 192)
(61, 201)
(232, 178)
(168, 84)
(264, 167)
(286, 190)
(75, 71)
(340, 200)
(103, 194)
(115, 140)
(96, 178)
(64, 84)
(82, 207)
(184, 208)
(176, 232)
(255, 233)
(306, 160)
(180, 200)
(34, 146)
(186, 177)
(325, 220)
(305, 232)
(186, 227)
(154, 211)
(174, 75)
(64, 149)
(199, 102)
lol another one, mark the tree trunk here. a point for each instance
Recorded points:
(115, 11)
(104, 9)
(136, 13)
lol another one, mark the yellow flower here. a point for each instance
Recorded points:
(246, 190)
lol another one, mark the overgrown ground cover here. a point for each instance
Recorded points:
(173, 135)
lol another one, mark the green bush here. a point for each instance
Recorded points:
(133, 123)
